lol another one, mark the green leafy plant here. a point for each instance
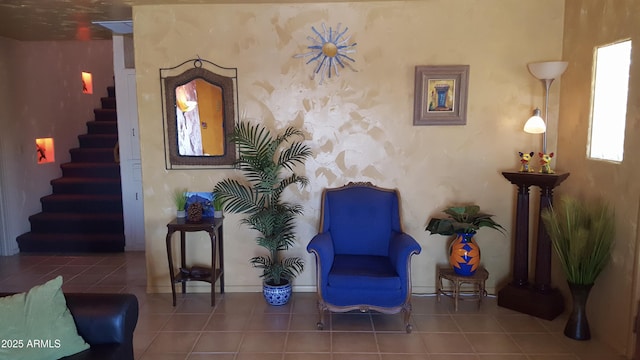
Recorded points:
(582, 234)
(268, 164)
(217, 203)
(180, 198)
(462, 220)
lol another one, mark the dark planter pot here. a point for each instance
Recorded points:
(577, 327)
(277, 294)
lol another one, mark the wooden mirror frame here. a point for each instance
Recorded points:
(169, 84)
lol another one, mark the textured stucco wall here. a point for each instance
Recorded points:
(591, 23)
(44, 99)
(359, 125)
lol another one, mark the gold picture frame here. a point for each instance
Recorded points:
(440, 96)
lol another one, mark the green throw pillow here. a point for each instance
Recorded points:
(38, 325)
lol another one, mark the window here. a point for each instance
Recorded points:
(609, 101)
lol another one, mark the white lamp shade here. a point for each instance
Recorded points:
(548, 69)
(535, 124)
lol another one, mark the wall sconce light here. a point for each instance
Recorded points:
(45, 152)
(87, 83)
(546, 71)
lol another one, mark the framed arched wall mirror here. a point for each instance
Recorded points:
(200, 108)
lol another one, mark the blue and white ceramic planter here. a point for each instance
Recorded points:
(277, 295)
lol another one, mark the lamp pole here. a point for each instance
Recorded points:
(547, 83)
(547, 71)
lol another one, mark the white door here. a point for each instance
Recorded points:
(130, 166)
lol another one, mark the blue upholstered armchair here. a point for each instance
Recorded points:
(363, 257)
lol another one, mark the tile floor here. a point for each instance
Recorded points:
(242, 327)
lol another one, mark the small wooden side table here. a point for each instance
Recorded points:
(477, 281)
(213, 226)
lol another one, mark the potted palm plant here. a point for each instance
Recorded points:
(463, 222)
(582, 235)
(268, 162)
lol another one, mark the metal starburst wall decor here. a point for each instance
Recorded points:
(329, 51)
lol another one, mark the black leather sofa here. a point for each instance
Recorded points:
(106, 322)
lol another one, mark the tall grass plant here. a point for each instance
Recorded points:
(582, 234)
(180, 198)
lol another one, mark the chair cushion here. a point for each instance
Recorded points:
(363, 272)
(38, 324)
(361, 220)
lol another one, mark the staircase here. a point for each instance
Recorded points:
(84, 213)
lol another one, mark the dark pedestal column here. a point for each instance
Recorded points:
(521, 245)
(539, 300)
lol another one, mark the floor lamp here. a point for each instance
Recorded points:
(546, 71)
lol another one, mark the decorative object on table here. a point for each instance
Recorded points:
(582, 234)
(268, 162)
(328, 50)
(194, 212)
(440, 95)
(203, 198)
(196, 271)
(545, 163)
(217, 208)
(525, 160)
(463, 222)
(546, 71)
(180, 199)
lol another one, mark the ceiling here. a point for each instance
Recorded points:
(43, 20)
(37, 20)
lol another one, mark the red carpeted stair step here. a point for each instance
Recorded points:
(81, 203)
(91, 169)
(76, 222)
(65, 185)
(111, 91)
(71, 242)
(105, 114)
(98, 140)
(103, 155)
(108, 102)
(102, 127)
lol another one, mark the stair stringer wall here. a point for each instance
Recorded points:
(84, 211)
(42, 97)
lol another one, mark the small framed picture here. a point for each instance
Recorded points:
(441, 95)
(204, 198)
